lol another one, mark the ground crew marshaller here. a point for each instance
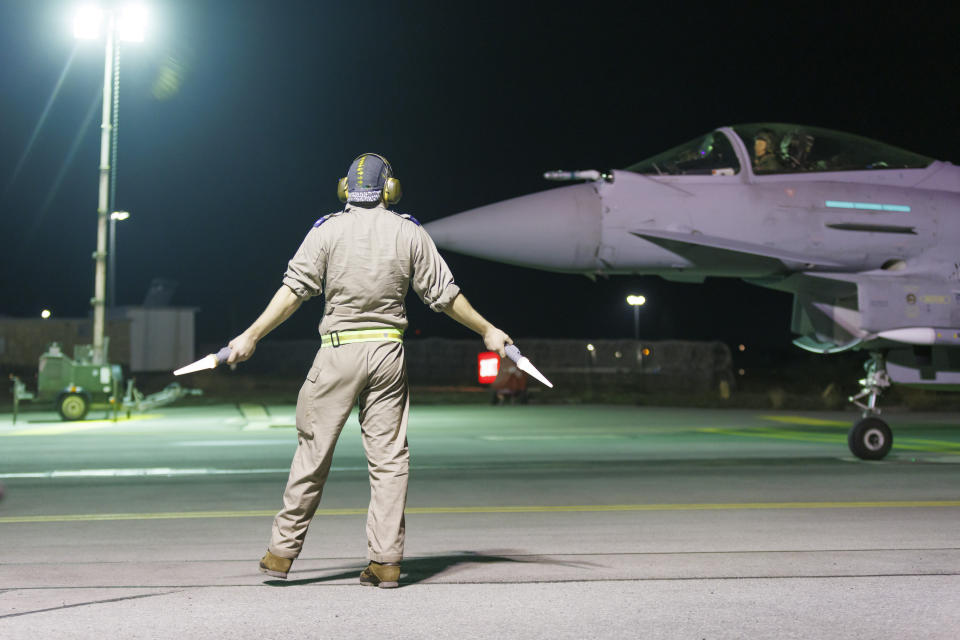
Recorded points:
(362, 259)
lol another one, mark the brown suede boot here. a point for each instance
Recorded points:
(275, 565)
(377, 574)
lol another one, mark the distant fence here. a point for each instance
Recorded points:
(646, 366)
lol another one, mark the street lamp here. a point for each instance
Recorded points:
(124, 24)
(636, 302)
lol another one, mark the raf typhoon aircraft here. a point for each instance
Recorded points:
(864, 235)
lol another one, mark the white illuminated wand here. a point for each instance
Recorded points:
(214, 359)
(524, 364)
(207, 362)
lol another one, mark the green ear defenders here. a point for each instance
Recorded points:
(370, 178)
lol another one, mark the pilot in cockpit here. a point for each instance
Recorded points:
(764, 157)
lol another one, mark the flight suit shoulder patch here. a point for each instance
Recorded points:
(407, 216)
(323, 219)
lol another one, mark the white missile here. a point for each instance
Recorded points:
(911, 335)
(524, 364)
(207, 362)
(584, 174)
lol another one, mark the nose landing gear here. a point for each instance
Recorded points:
(871, 437)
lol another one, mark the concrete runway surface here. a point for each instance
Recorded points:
(523, 522)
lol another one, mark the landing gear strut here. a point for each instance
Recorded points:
(871, 438)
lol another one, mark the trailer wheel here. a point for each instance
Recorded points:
(73, 406)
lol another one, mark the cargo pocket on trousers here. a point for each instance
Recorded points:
(305, 404)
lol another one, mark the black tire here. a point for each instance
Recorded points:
(73, 406)
(870, 439)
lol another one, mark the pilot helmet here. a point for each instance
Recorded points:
(768, 136)
(369, 179)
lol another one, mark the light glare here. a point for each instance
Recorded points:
(119, 215)
(133, 23)
(636, 301)
(87, 21)
(45, 314)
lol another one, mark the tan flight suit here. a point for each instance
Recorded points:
(363, 260)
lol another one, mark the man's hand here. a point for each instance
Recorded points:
(241, 348)
(496, 340)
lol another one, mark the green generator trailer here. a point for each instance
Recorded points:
(76, 385)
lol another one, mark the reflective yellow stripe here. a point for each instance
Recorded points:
(337, 338)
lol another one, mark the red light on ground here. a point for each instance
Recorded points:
(488, 365)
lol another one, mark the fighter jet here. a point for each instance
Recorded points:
(865, 236)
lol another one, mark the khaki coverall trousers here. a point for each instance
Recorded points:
(374, 373)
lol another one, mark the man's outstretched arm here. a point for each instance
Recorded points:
(281, 307)
(463, 312)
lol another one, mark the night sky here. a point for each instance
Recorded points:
(237, 118)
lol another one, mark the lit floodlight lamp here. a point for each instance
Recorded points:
(87, 22)
(636, 301)
(132, 24)
(45, 314)
(119, 215)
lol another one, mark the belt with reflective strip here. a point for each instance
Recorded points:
(337, 338)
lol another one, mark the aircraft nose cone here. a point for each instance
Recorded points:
(556, 230)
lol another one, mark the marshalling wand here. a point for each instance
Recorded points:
(524, 364)
(214, 359)
(207, 362)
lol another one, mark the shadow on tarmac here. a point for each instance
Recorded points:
(416, 570)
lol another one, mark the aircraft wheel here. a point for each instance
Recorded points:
(870, 439)
(73, 406)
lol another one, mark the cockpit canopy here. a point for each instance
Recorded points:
(780, 148)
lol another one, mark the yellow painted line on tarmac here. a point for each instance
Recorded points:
(813, 422)
(779, 434)
(75, 427)
(904, 444)
(590, 508)
(936, 446)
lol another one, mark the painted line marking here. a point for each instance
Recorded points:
(167, 472)
(582, 436)
(813, 422)
(596, 508)
(779, 434)
(287, 442)
(253, 411)
(902, 444)
(73, 427)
